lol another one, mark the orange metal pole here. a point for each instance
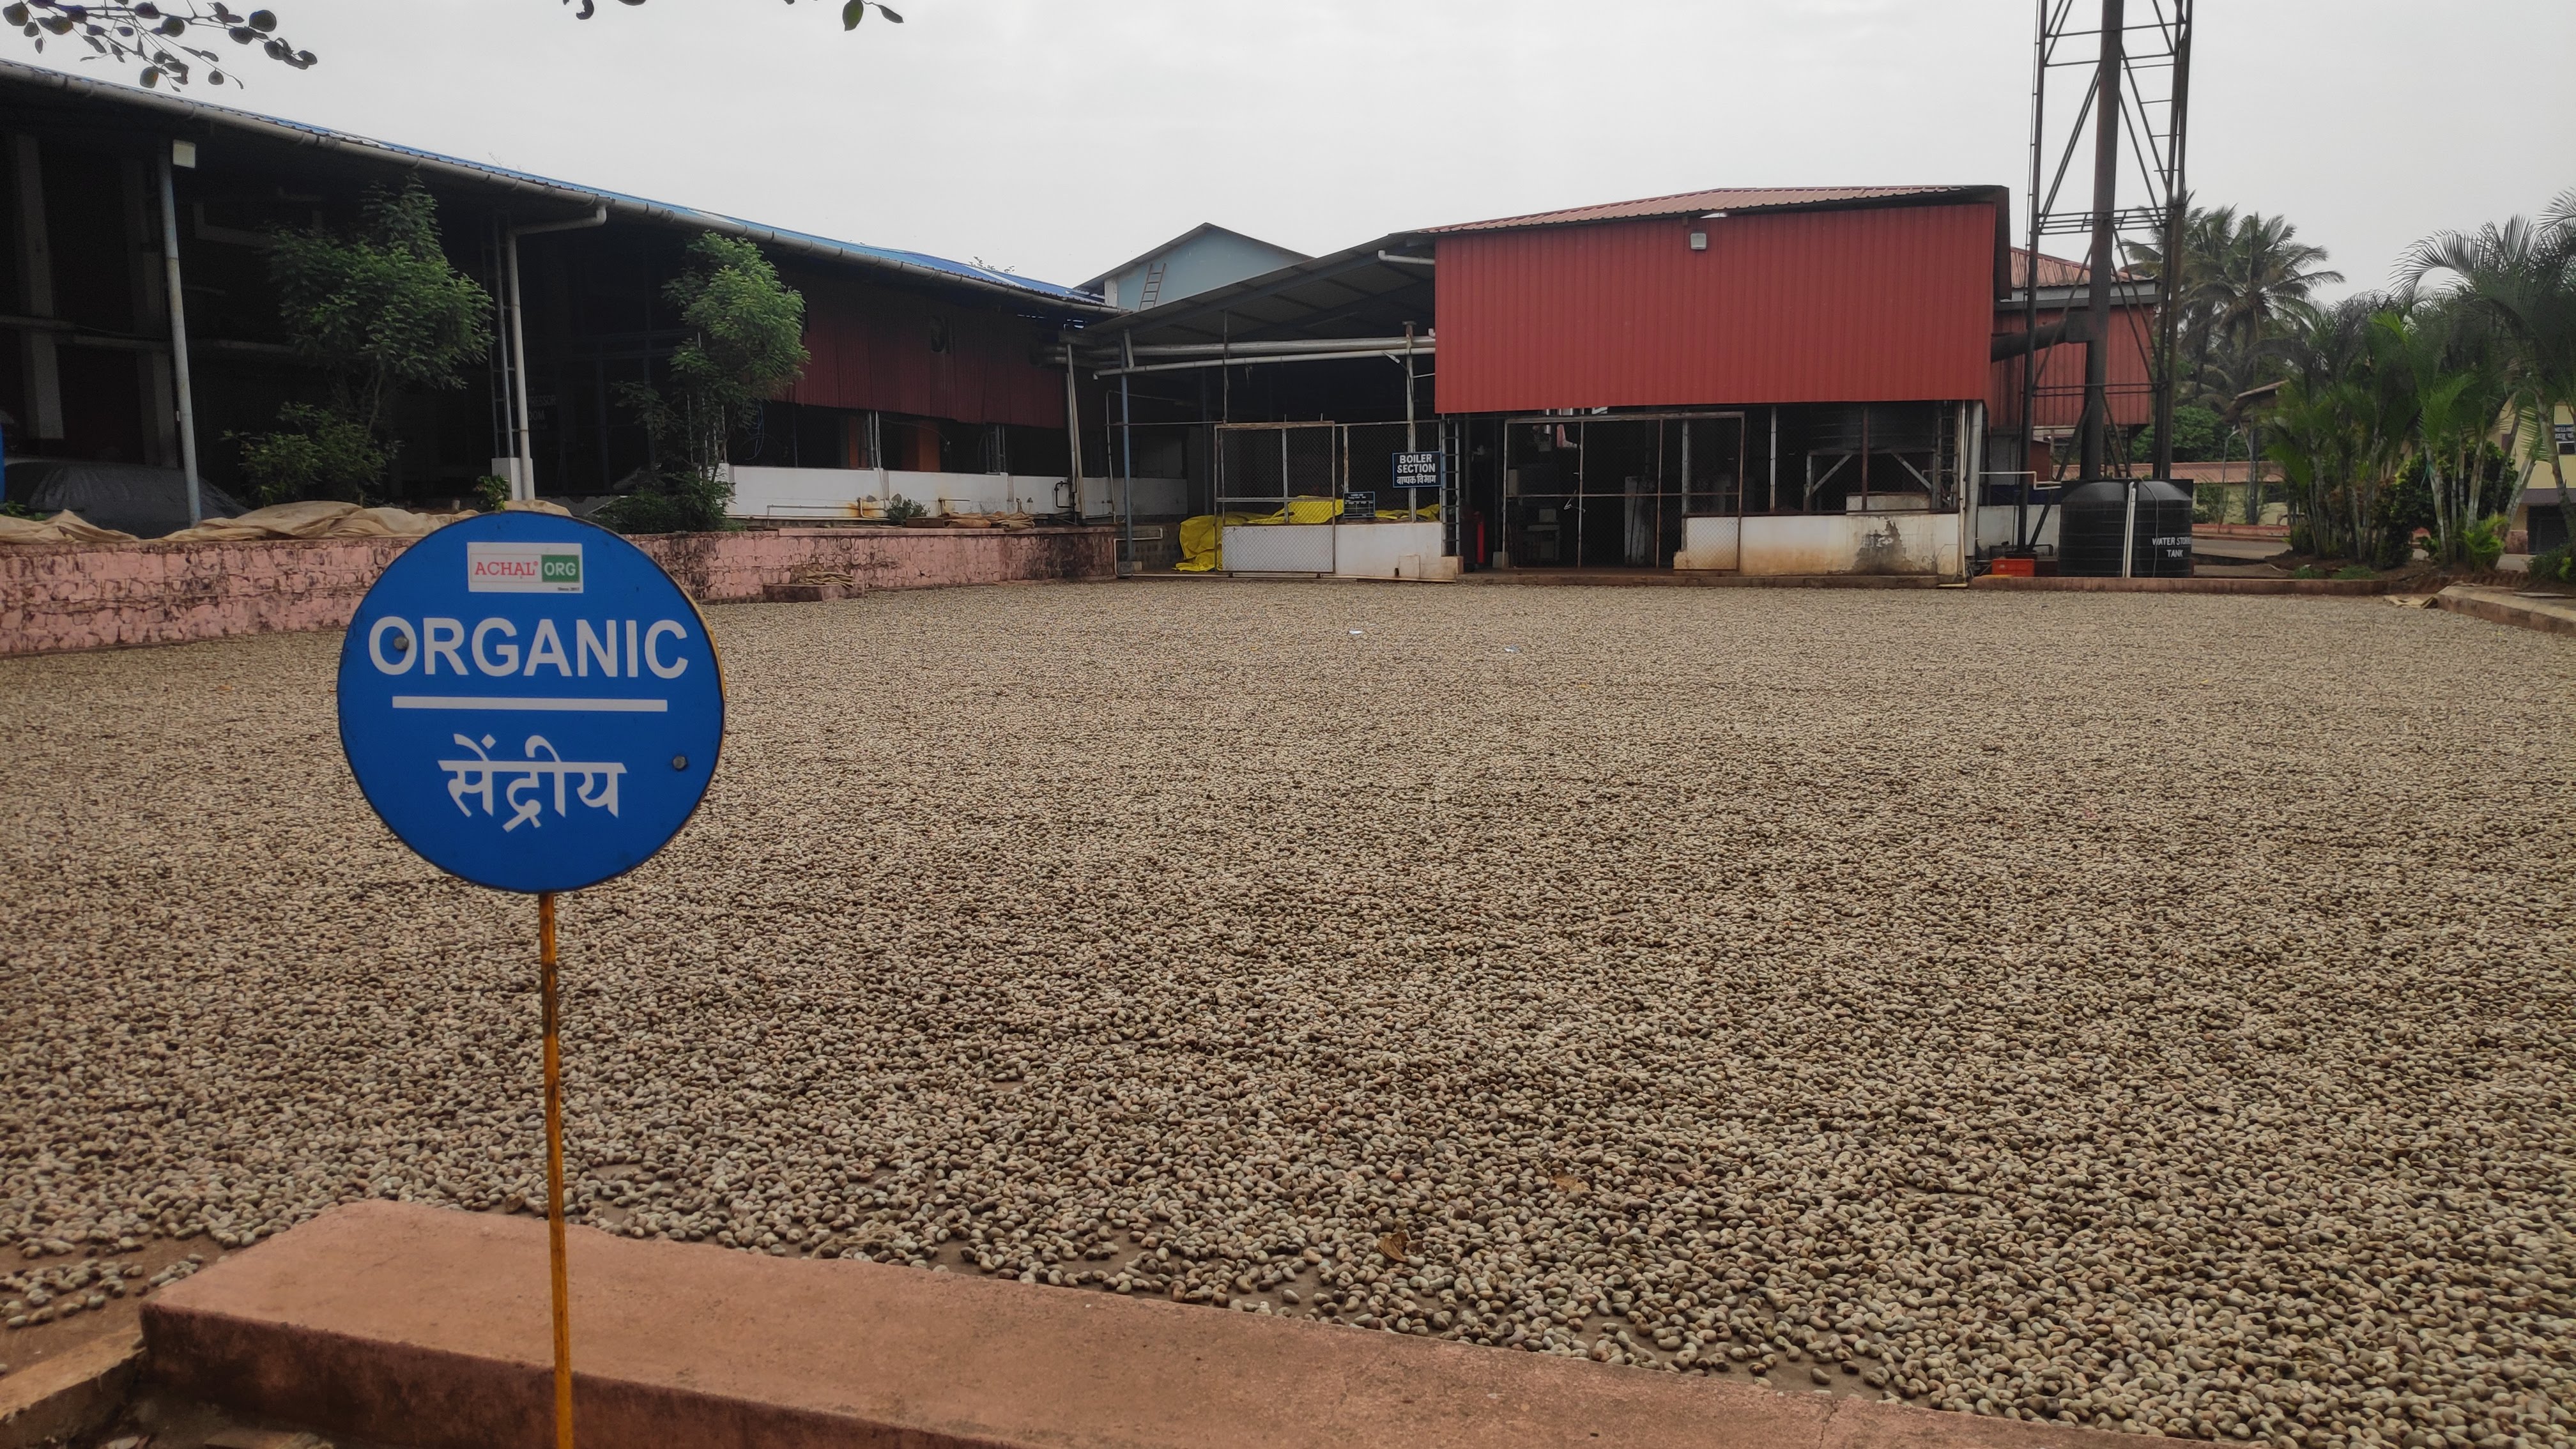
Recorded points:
(555, 1177)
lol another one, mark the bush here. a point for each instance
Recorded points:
(903, 508)
(2308, 571)
(316, 453)
(2351, 572)
(2557, 566)
(2484, 540)
(492, 491)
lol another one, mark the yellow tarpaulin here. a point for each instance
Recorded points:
(1203, 537)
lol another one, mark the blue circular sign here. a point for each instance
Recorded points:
(530, 702)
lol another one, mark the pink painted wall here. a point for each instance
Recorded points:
(57, 597)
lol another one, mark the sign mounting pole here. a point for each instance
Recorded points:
(555, 1174)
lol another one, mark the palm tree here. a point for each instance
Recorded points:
(2265, 269)
(2522, 275)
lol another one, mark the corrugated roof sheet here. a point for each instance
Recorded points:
(1693, 203)
(2058, 271)
(807, 242)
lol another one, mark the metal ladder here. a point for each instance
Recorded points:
(1153, 291)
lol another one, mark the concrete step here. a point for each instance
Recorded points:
(419, 1326)
(2550, 614)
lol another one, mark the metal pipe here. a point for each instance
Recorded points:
(2106, 200)
(2129, 534)
(1159, 350)
(524, 486)
(179, 343)
(1410, 444)
(1073, 432)
(1127, 494)
(1395, 354)
(2175, 191)
(2022, 537)
(1404, 261)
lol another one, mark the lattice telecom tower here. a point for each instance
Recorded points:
(2124, 128)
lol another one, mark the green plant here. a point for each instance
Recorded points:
(492, 491)
(12, 508)
(2558, 566)
(379, 311)
(317, 453)
(2351, 572)
(2521, 276)
(2198, 433)
(2484, 540)
(902, 509)
(746, 343)
(2308, 571)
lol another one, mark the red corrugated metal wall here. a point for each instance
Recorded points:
(1884, 304)
(2061, 373)
(872, 347)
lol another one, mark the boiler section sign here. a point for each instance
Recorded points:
(530, 702)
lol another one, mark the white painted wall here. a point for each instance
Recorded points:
(1818, 543)
(1852, 543)
(1390, 551)
(788, 493)
(1710, 543)
(1344, 550)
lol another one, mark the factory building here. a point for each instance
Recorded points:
(1774, 381)
(927, 377)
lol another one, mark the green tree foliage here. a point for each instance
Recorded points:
(379, 311)
(746, 344)
(315, 453)
(2520, 277)
(2238, 280)
(2200, 436)
(2393, 417)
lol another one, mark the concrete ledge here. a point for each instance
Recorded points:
(2504, 606)
(2061, 585)
(418, 1326)
(60, 597)
(69, 1395)
(1697, 579)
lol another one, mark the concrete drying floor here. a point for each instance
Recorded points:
(2148, 1011)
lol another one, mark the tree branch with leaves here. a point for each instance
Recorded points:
(160, 35)
(157, 37)
(746, 344)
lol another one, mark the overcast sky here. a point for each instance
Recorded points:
(1062, 136)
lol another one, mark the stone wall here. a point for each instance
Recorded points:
(57, 597)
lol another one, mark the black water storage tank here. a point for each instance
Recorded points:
(2093, 514)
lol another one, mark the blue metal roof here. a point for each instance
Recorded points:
(919, 264)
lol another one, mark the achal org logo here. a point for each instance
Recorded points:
(523, 568)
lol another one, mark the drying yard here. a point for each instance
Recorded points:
(2150, 1012)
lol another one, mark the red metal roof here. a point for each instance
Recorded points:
(1731, 200)
(2058, 271)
